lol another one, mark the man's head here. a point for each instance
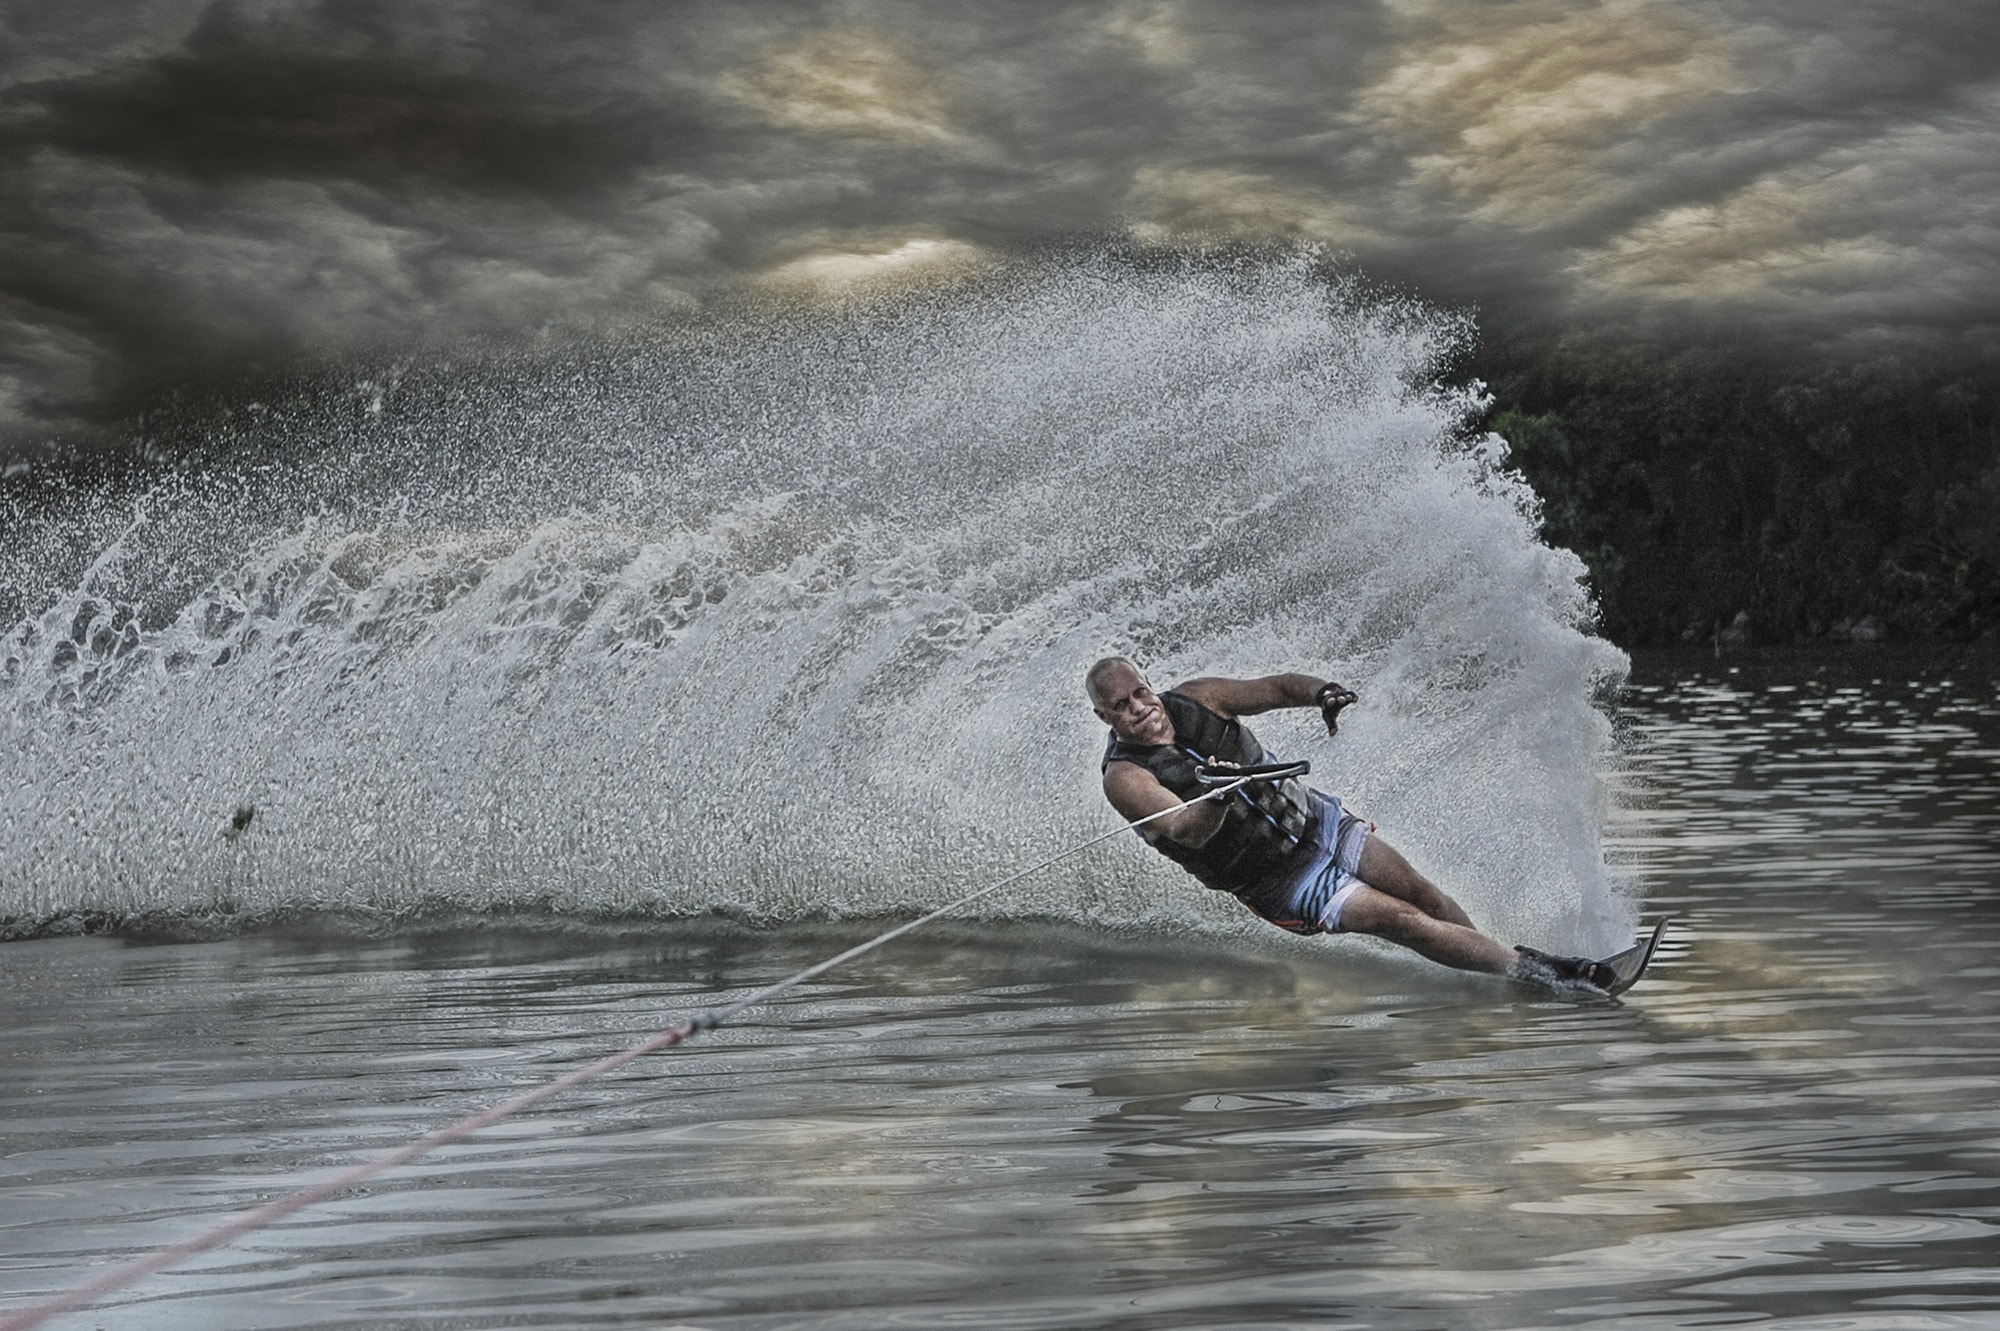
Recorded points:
(1123, 700)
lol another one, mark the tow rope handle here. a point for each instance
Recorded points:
(1218, 774)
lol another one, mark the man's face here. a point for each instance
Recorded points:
(1126, 703)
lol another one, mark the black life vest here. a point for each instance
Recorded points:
(1265, 824)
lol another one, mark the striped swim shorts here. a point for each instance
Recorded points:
(1310, 902)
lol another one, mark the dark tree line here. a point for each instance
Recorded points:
(1704, 483)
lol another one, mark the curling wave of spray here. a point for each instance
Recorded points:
(788, 617)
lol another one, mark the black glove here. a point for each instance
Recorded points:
(1332, 697)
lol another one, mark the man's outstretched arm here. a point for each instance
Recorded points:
(1249, 697)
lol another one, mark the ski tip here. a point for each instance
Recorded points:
(1629, 965)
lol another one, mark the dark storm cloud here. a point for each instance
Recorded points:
(189, 188)
(243, 113)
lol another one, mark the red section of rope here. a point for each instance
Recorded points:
(125, 1275)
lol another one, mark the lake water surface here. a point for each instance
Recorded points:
(1793, 1123)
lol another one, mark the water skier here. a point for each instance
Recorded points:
(1291, 854)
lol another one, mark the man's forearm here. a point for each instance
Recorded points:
(1297, 690)
(1274, 692)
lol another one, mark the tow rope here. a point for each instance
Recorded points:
(1231, 778)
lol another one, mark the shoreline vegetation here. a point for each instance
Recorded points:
(1728, 496)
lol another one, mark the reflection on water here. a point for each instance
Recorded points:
(1792, 1123)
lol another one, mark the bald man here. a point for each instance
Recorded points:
(1291, 854)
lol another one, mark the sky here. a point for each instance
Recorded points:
(194, 187)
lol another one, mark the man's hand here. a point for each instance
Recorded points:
(1331, 698)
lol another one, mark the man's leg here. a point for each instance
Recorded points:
(1384, 869)
(1446, 942)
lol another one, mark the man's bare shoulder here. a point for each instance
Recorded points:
(1124, 774)
(1134, 791)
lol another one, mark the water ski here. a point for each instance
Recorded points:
(1629, 965)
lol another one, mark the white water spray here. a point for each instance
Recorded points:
(791, 621)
